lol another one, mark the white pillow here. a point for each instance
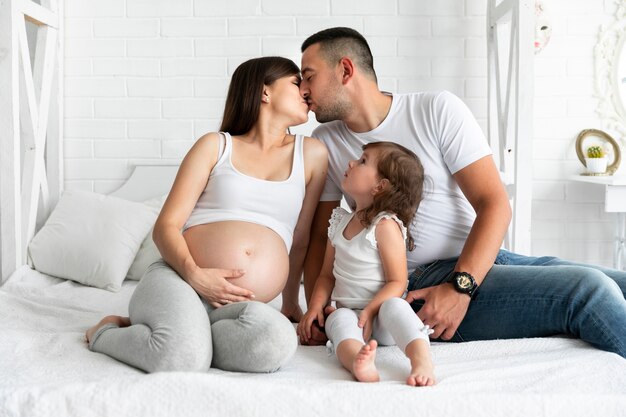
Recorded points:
(148, 252)
(91, 238)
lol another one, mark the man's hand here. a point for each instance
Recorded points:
(444, 309)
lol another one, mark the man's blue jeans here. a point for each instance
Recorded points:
(525, 296)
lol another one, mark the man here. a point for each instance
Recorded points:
(463, 286)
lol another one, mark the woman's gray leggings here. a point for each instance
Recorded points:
(174, 330)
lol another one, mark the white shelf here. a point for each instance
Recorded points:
(600, 179)
(614, 202)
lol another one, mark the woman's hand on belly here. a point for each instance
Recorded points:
(213, 285)
(235, 246)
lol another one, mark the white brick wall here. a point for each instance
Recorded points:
(144, 78)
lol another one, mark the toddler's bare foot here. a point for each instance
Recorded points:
(119, 320)
(363, 367)
(422, 374)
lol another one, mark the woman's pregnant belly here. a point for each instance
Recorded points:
(256, 249)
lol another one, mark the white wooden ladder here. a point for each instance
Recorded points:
(31, 105)
(510, 37)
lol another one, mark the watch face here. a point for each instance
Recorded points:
(464, 281)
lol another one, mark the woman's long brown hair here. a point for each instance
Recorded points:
(243, 101)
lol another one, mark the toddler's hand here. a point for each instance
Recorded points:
(365, 323)
(305, 325)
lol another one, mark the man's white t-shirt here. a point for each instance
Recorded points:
(444, 134)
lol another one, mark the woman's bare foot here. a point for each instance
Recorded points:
(363, 367)
(422, 374)
(119, 320)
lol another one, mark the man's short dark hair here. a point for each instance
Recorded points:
(335, 43)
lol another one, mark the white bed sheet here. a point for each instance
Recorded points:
(47, 370)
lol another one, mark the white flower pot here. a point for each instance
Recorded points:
(597, 165)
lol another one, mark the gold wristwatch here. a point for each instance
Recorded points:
(464, 283)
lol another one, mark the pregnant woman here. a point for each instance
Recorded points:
(233, 233)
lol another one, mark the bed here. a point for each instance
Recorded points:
(47, 370)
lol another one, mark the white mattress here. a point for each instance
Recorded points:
(47, 370)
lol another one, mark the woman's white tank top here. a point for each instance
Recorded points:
(233, 196)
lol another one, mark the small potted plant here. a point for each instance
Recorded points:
(596, 160)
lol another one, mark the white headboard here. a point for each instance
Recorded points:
(147, 181)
